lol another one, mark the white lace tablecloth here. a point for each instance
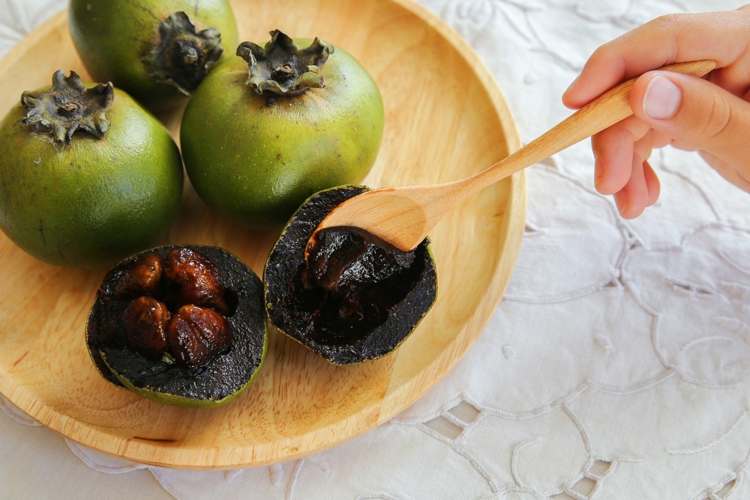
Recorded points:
(616, 367)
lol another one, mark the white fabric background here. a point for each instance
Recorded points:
(616, 367)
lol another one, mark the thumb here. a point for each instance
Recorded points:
(696, 112)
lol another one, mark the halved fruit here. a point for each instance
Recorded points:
(359, 300)
(153, 326)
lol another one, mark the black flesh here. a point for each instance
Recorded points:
(224, 375)
(359, 299)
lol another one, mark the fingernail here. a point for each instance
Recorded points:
(662, 98)
(597, 170)
(621, 201)
(571, 85)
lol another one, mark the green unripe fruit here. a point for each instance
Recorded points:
(316, 123)
(87, 175)
(156, 50)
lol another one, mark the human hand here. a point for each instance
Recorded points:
(710, 115)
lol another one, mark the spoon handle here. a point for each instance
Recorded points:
(604, 111)
(403, 216)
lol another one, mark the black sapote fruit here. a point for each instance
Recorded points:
(89, 176)
(355, 297)
(182, 325)
(267, 129)
(158, 51)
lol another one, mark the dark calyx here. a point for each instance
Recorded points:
(183, 56)
(69, 106)
(283, 68)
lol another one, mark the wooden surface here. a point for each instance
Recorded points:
(445, 119)
(404, 215)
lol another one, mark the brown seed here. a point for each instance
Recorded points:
(143, 277)
(198, 279)
(146, 326)
(197, 334)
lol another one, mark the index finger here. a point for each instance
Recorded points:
(720, 36)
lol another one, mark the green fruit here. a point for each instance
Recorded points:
(157, 50)
(316, 123)
(88, 176)
(160, 373)
(356, 299)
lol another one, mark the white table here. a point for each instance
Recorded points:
(616, 367)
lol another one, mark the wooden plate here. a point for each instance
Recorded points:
(445, 119)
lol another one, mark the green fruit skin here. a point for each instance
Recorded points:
(256, 162)
(182, 401)
(111, 36)
(95, 201)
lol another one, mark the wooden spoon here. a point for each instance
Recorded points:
(403, 216)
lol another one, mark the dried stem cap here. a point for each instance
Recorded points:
(283, 68)
(183, 57)
(69, 106)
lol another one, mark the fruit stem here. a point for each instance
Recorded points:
(69, 106)
(183, 56)
(282, 68)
